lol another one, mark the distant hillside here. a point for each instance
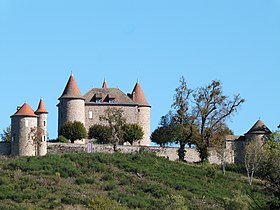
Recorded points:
(122, 181)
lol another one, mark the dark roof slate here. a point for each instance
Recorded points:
(259, 128)
(117, 94)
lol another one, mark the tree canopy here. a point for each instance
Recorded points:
(197, 116)
(73, 131)
(132, 133)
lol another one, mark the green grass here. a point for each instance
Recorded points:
(123, 181)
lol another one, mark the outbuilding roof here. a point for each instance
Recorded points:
(259, 128)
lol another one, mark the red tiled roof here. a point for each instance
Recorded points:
(25, 110)
(104, 84)
(41, 107)
(138, 95)
(71, 90)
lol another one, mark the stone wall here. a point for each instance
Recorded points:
(167, 152)
(5, 148)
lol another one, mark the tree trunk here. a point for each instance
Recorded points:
(182, 151)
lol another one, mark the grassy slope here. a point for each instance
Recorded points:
(121, 181)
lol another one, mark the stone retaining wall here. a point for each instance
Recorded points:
(167, 152)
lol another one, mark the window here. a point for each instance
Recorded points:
(90, 114)
(26, 123)
(99, 100)
(44, 123)
(111, 100)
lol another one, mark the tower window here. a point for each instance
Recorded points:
(44, 123)
(26, 123)
(90, 114)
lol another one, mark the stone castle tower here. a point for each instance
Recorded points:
(29, 131)
(73, 106)
(42, 114)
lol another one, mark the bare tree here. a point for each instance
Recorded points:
(253, 157)
(35, 135)
(115, 119)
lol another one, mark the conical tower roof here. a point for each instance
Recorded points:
(259, 128)
(71, 90)
(41, 108)
(138, 95)
(104, 84)
(25, 110)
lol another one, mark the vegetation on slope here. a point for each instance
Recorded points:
(122, 181)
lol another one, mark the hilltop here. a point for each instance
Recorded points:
(122, 181)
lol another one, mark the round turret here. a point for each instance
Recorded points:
(259, 132)
(143, 113)
(23, 131)
(72, 104)
(42, 128)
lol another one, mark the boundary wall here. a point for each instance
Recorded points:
(168, 152)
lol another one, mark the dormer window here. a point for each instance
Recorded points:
(110, 99)
(97, 98)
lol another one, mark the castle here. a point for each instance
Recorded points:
(29, 128)
(73, 106)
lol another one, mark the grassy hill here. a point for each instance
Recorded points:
(122, 181)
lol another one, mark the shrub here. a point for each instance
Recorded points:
(62, 139)
(240, 202)
(101, 133)
(73, 131)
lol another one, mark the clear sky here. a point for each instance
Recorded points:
(234, 41)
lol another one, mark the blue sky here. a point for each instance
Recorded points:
(236, 42)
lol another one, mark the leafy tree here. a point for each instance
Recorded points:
(6, 135)
(212, 108)
(115, 119)
(201, 113)
(162, 135)
(132, 133)
(270, 167)
(73, 131)
(102, 133)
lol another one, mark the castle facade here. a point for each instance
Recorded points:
(73, 106)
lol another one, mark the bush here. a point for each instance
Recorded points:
(238, 202)
(101, 133)
(62, 139)
(73, 131)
